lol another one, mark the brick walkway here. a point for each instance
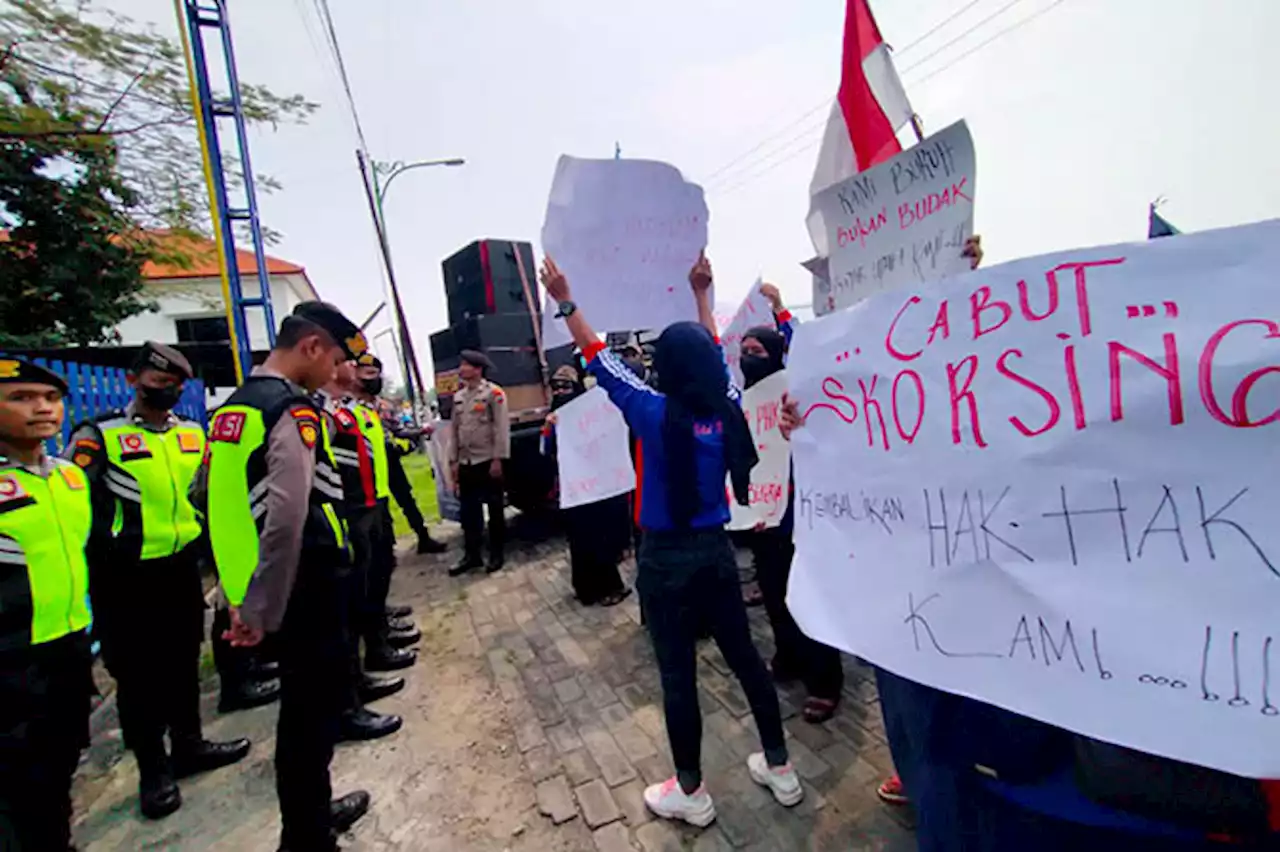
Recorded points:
(532, 723)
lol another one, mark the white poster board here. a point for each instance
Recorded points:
(625, 233)
(762, 404)
(903, 222)
(1051, 485)
(755, 310)
(592, 451)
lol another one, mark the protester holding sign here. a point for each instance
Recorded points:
(797, 657)
(693, 434)
(599, 531)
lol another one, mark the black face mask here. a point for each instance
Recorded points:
(373, 387)
(755, 368)
(159, 399)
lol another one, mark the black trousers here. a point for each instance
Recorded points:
(44, 723)
(687, 580)
(312, 646)
(818, 665)
(384, 563)
(476, 488)
(402, 491)
(149, 616)
(598, 534)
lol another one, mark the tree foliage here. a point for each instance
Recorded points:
(97, 144)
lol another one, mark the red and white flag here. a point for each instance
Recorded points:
(869, 108)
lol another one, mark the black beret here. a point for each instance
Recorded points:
(476, 359)
(344, 332)
(159, 356)
(15, 371)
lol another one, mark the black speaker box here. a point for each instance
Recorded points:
(495, 331)
(484, 278)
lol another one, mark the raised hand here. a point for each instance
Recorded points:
(973, 250)
(772, 296)
(700, 276)
(553, 280)
(791, 419)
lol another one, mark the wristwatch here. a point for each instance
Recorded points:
(567, 309)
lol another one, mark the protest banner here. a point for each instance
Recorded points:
(625, 233)
(755, 310)
(903, 222)
(1050, 485)
(592, 451)
(762, 404)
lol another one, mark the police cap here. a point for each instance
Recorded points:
(368, 359)
(166, 359)
(476, 359)
(15, 371)
(343, 331)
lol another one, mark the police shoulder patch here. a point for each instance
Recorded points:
(82, 458)
(88, 445)
(308, 422)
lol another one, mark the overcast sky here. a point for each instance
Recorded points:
(1080, 118)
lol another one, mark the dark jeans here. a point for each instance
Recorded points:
(151, 624)
(476, 488)
(598, 535)
(402, 491)
(689, 579)
(816, 664)
(44, 722)
(312, 646)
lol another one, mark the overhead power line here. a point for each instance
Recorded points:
(331, 37)
(981, 45)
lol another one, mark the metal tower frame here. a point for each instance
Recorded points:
(195, 19)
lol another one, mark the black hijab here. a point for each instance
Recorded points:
(757, 368)
(691, 375)
(568, 374)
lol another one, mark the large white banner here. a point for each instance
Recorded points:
(762, 404)
(439, 448)
(1052, 485)
(625, 233)
(903, 222)
(592, 450)
(755, 310)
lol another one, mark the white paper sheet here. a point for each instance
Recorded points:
(755, 310)
(1051, 485)
(592, 451)
(762, 404)
(903, 222)
(625, 233)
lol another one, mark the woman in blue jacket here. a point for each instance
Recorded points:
(692, 434)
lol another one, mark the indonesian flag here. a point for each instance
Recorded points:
(869, 108)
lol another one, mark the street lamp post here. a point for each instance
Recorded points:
(375, 192)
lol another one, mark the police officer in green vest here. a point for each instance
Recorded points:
(148, 599)
(274, 497)
(45, 664)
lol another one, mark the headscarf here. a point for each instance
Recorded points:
(757, 368)
(691, 375)
(567, 373)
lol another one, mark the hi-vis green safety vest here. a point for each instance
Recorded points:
(371, 427)
(44, 527)
(237, 480)
(149, 474)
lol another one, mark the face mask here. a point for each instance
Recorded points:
(159, 399)
(754, 368)
(373, 387)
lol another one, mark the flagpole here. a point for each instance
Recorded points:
(917, 124)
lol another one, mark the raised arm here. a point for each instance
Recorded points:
(700, 280)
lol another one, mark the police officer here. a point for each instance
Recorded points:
(148, 599)
(402, 440)
(356, 469)
(45, 665)
(482, 439)
(274, 496)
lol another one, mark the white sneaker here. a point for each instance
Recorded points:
(668, 800)
(782, 781)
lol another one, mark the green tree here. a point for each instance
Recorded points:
(97, 144)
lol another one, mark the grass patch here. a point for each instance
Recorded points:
(417, 467)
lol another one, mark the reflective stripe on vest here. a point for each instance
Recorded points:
(155, 470)
(371, 427)
(44, 527)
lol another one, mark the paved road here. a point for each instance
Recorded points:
(531, 723)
